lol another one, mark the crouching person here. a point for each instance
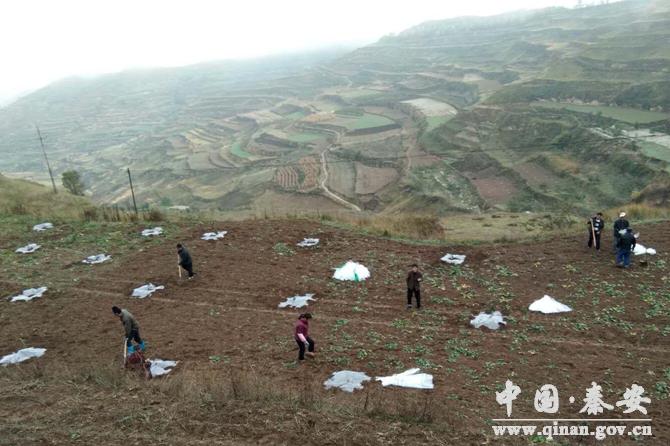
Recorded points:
(138, 363)
(302, 336)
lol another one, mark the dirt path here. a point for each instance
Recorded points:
(325, 188)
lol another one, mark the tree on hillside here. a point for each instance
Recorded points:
(73, 182)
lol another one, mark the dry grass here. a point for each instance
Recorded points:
(406, 226)
(189, 403)
(19, 197)
(639, 213)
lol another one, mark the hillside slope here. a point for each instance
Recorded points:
(238, 382)
(25, 197)
(530, 110)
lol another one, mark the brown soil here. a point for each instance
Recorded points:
(310, 168)
(230, 313)
(372, 179)
(286, 177)
(536, 175)
(495, 190)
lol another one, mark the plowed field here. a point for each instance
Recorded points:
(237, 382)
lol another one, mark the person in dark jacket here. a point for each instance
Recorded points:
(414, 287)
(132, 329)
(185, 260)
(596, 226)
(620, 225)
(626, 247)
(302, 336)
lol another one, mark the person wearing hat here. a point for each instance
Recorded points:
(596, 226)
(302, 336)
(619, 226)
(626, 247)
(414, 287)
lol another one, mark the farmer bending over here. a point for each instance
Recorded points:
(302, 337)
(185, 260)
(132, 329)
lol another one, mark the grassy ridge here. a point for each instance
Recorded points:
(629, 115)
(25, 197)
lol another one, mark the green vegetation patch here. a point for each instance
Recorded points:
(305, 137)
(296, 116)
(436, 121)
(622, 114)
(237, 150)
(369, 120)
(654, 150)
(360, 93)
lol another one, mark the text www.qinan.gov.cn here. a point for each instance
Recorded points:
(599, 432)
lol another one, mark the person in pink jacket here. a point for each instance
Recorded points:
(302, 336)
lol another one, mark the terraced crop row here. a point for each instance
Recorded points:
(310, 168)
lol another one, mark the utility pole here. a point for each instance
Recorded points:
(53, 183)
(132, 191)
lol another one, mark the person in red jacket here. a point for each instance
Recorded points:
(302, 336)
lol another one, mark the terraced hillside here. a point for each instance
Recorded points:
(525, 111)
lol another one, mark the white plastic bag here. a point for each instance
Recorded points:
(454, 259)
(491, 321)
(213, 235)
(347, 380)
(30, 294)
(548, 305)
(308, 242)
(160, 367)
(352, 271)
(146, 290)
(297, 301)
(22, 355)
(92, 260)
(42, 227)
(29, 248)
(155, 231)
(641, 250)
(411, 379)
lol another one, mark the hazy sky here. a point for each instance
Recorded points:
(41, 41)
